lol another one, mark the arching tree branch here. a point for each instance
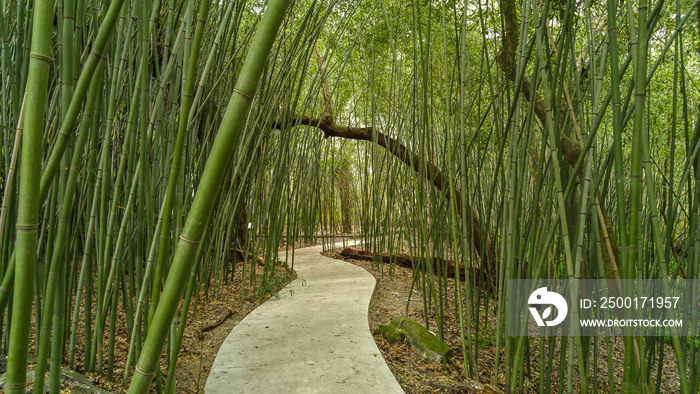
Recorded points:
(432, 172)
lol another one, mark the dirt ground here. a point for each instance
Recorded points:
(415, 374)
(198, 349)
(418, 375)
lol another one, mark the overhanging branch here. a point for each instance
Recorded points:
(419, 164)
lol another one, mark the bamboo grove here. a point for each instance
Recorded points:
(150, 148)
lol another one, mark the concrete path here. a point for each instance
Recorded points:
(314, 338)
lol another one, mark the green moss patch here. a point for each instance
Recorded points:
(402, 330)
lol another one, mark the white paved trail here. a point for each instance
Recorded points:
(314, 338)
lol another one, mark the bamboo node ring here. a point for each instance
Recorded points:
(15, 386)
(97, 55)
(152, 374)
(40, 57)
(27, 227)
(242, 93)
(189, 240)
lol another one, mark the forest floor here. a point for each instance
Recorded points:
(418, 375)
(414, 373)
(230, 301)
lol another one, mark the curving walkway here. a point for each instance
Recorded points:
(314, 338)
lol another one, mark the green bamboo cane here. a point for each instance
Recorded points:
(66, 53)
(118, 255)
(85, 277)
(134, 340)
(661, 262)
(53, 303)
(137, 316)
(118, 69)
(172, 361)
(52, 164)
(638, 49)
(10, 174)
(63, 233)
(103, 35)
(617, 123)
(143, 215)
(209, 185)
(104, 277)
(8, 93)
(29, 200)
(111, 342)
(465, 224)
(559, 190)
(210, 58)
(21, 57)
(186, 105)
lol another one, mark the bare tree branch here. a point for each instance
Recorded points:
(432, 172)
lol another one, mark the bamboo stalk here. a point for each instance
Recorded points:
(29, 199)
(209, 187)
